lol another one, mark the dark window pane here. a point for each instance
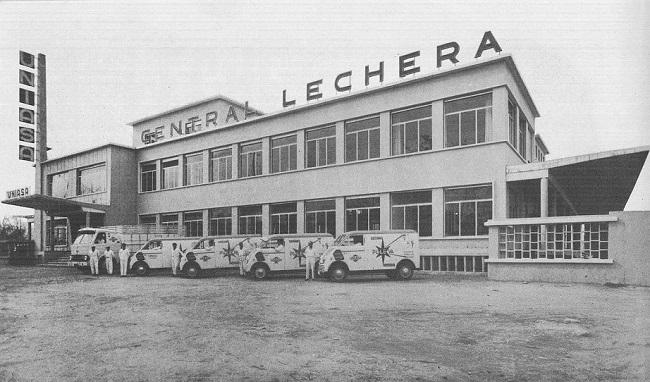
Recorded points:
(362, 124)
(283, 141)
(467, 219)
(319, 205)
(481, 124)
(310, 222)
(409, 115)
(397, 218)
(293, 154)
(451, 219)
(311, 154)
(321, 224)
(320, 133)
(351, 220)
(467, 128)
(374, 143)
(350, 147)
(397, 139)
(451, 130)
(425, 135)
(363, 145)
(258, 163)
(362, 202)
(331, 150)
(469, 193)
(322, 152)
(411, 217)
(331, 223)
(483, 214)
(411, 137)
(363, 220)
(425, 221)
(475, 102)
(282, 208)
(293, 226)
(413, 197)
(374, 218)
(250, 210)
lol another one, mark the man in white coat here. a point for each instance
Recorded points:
(93, 260)
(109, 260)
(311, 256)
(124, 260)
(176, 258)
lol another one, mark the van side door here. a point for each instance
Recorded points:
(295, 254)
(355, 254)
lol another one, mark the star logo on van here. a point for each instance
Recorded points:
(229, 253)
(384, 251)
(298, 253)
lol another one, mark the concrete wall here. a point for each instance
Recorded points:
(123, 179)
(629, 252)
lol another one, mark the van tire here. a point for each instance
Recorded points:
(338, 273)
(140, 269)
(192, 270)
(404, 271)
(259, 272)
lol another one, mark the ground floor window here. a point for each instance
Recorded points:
(466, 210)
(148, 221)
(283, 218)
(220, 221)
(250, 220)
(454, 263)
(169, 222)
(193, 223)
(412, 210)
(320, 216)
(362, 214)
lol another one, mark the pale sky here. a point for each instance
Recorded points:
(110, 63)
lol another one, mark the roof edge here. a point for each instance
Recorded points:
(90, 149)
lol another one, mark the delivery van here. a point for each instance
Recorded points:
(395, 253)
(216, 252)
(133, 236)
(157, 254)
(284, 253)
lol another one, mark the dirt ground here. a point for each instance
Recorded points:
(57, 324)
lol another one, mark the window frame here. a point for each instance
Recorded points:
(256, 155)
(217, 161)
(189, 225)
(358, 214)
(488, 119)
(255, 218)
(467, 201)
(318, 143)
(79, 174)
(356, 133)
(143, 174)
(429, 204)
(292, 150)
(326, 214)
(403, 124)
(163, 176)
(195, 176)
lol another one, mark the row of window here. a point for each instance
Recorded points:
(466, 211)
(520, 134)
(83, 181)
(466, 122)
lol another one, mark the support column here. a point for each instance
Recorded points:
(234, 218)
(340, 215)
(206, 167)
(51, 234)
(340, 143)
(206, 223)
(300, 218)
(300, 152)
(384, 211)
(543, 197)
(235, 162)
(384, 134)
(266, 160)
(87, 219)
(266, 226)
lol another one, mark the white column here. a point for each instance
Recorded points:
(340, 215)
(266, 226)
(234, 216)
(384, 211)
(340, 142)
(206, 166)
(266, 157)
(300, 221)
(235, 161)
(543, 197)
(206, 223)
(384, 135)
(300, 152)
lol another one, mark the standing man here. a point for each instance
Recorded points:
(176, 258)
(94, 261)
(311, 256)
(109, 260)
(242, 250)
(124, 260)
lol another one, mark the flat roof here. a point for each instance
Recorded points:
(88, 150)
(195, 103)
(55, 206)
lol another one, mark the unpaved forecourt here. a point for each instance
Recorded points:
(57, 324)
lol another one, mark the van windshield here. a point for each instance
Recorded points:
(84, 238)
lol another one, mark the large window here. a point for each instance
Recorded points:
(193, 223)
(220, 221)
(250, 220)
(362, 139)
(412, 210)
(61, 185)
(148, 177)
(220, 164)
(320, 146)
(523, 128)
(362, 214)
(283, 154)
(148, 220)
(283, 218)
(169, 175)
(411, 130)
(467, 119)
(512, 124)
(91, 180)
(193, 173)
(250, 159)
(169, 222)
(466, 209)
(320, 216)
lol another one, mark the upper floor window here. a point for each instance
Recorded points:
(412, 210)
(61, 185)
(220, 221)
(320, 216)
(283, 154)
(148, 177)
(283, 218)
(250, 159)
(466, 210)
(320, 146)
(362, 139)
(467, 120)
(512, 123)
(362, 214)
(220, 164)
(193, 173)
(411, 130)
(91, 180)
(169, 173)
(523, 129)
(250, 220)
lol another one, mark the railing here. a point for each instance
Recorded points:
(556, 238)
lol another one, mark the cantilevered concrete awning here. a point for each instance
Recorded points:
(594, 183)
(56, 206)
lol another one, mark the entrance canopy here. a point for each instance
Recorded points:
(56, 206)
(592, 184)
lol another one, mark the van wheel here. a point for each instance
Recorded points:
(338, 273)
(192, 270)
(141, 269)
(259, 272)
(404, 271)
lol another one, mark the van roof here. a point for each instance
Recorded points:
(378, 232)
(297, 235)
(227, 237)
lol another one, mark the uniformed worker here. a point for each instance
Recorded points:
(124, 260)
(242, 250)
(176, 258)
(108, 260)
(93, 255)
(311, 256)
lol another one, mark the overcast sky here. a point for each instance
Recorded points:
(110, 63)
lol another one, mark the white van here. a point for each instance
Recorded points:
(215, 252)
(284, 253)
(157, 254)
(395, 253)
